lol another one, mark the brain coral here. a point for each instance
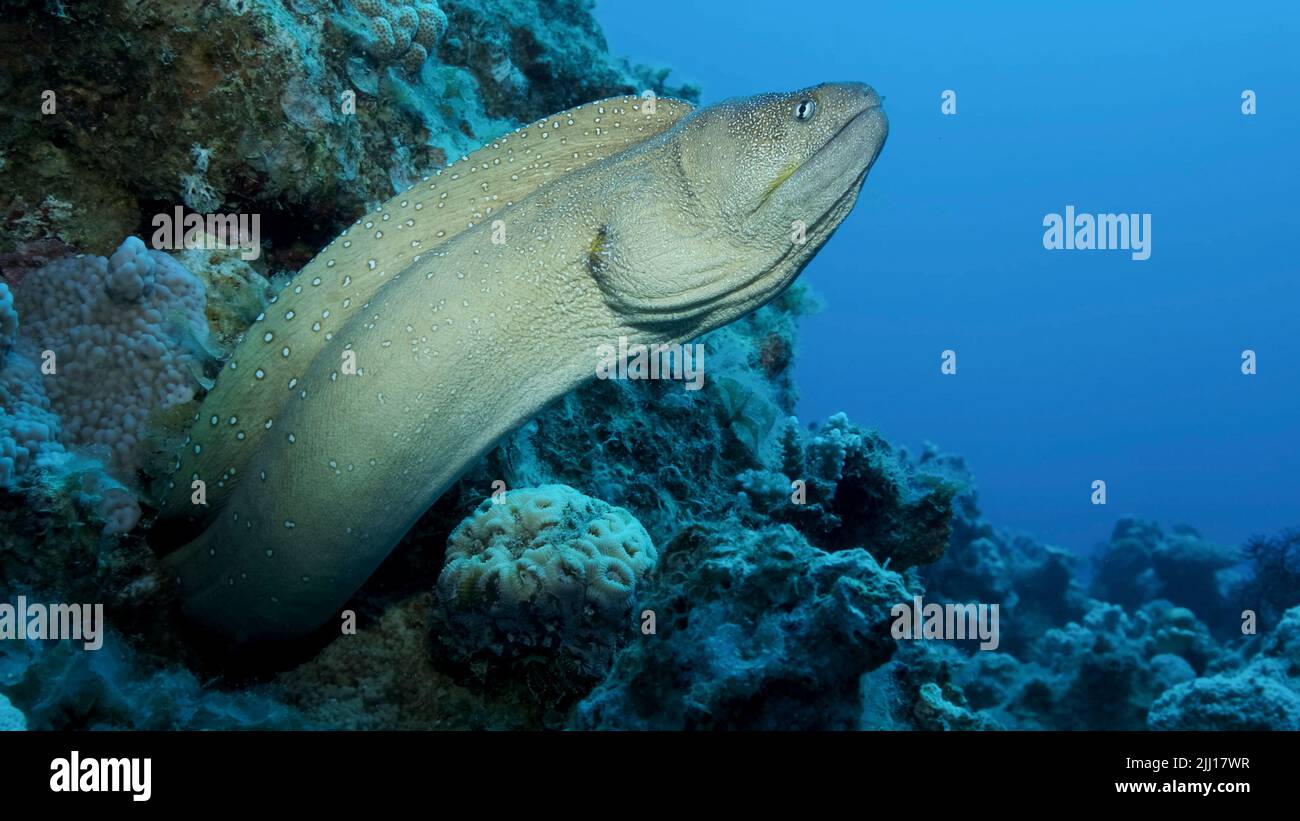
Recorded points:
(120, 330)
(547, 567)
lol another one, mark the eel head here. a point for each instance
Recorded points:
(744, 194)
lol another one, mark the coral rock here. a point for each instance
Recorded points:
(754, 630)
(11, 718)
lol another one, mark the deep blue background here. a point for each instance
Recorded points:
(1072, 366)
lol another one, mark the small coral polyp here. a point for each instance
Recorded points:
(404, 33)
(543, 565)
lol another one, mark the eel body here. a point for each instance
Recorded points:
(461, 307)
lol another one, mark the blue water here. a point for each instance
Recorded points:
(1072, 365)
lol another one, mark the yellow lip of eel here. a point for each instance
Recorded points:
(461, 307)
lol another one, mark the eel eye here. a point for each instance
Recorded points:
(805, 109)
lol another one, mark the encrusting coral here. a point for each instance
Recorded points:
(59, 685)
(11, 718)
(1262, 694)
(843, 486)
(753, 630)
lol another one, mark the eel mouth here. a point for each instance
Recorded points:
(872, 112)
(868, 125)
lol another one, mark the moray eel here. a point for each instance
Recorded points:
(460, 308)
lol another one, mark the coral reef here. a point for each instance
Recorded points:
(918, 689)
(1238, 701)
(1142, 563)
(1074, 662)
(1105, 671)
(11, 718)
(754, 630)
(58, 685)
(1263, 694)
(855, 492)
(770, 600)
(1035, 585)
(934, 711)
(388, 676)
(342, 130)
(1273, 585)
(534, 57)
(236, 292)
(105, 345)
(1123, 658)
(384, 677)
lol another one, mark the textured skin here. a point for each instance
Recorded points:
(346, 275)
(676, 235)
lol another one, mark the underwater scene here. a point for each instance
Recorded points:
(648, 365)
